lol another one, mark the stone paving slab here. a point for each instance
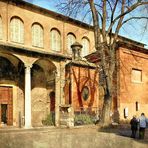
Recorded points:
(78, 137)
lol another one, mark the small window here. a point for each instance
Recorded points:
(137, 106)
(1, 29)
(17, 30)
(55, 40)
(86, 44)
(37, 35)
(85, 93)
(70, 40)
(136, 75)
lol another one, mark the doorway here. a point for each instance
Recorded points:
(4, 113)
(52, 101)
(6, 105)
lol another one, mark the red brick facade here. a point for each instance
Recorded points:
(133, 81)
(82, 78)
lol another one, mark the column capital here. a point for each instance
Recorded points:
(27, 65)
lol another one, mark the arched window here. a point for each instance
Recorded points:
(85, 49)
(1, 29)
(17, 30)
(55, 40)
(37, 35)
(70, 40)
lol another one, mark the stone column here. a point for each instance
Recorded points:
(28, 96)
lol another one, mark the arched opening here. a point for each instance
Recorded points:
(11, 89)
(37, 35)
(86, 46)
(55, 40)
(52, 101)
(71, 39)
(17, 30)
(43, 86)
(7, 70)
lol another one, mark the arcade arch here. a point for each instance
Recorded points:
(11, 76)
(42, 86)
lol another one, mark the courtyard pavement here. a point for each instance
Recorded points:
(77, 137)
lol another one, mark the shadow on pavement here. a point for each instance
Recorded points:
(124, 131)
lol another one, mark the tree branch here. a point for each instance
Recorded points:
(97, 31)
(132, 18)
(104, 21)
(111, 21)
(129, 9)
(120, 21)
(108, 1)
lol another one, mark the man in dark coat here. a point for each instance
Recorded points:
(134, 126)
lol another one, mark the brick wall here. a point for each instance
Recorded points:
(82, 77)
(133, 79)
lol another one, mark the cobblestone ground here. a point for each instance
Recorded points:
(78, 137)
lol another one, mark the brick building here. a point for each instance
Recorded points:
(130, 80)
(39, 72)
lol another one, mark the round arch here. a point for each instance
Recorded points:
(18, 17)
(86, 46)
(42, 62)
(71, 33)
(17, 35)
(37, 23)
(71, 39)
(12, 58)
(37, 35)
(43, 74)
(55, 40)
(56, 29)
(11, 86)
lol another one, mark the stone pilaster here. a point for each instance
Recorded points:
(57, 96)
(62, 83)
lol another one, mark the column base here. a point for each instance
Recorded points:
(27, 127)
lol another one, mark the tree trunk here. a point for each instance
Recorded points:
(106, 110)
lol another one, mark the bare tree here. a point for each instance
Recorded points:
(108, 18)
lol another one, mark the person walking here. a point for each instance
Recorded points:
(134, 126)
(142, 125)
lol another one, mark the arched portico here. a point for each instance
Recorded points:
(37, 87)
(43, 75)
(11, 74)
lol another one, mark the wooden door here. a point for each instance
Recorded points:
(6, 103)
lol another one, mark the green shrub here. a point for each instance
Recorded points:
(83, 119)
(50, 119)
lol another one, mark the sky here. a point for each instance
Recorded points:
(132, 31)
(48, 4)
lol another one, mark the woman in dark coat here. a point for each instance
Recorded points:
(134, 126)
